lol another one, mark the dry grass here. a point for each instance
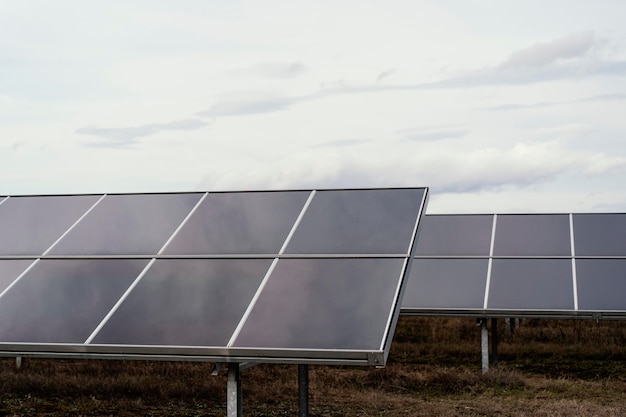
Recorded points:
(547, 368)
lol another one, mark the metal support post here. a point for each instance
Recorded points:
(303, 390)
(233, 391)
(494, 341)
(484, 344)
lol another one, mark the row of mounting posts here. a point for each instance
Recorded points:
(234, 398)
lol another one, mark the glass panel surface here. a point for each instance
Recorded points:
(358, 221)
(31, 224)
(531, 284)
(131, 224)
(446, 284)
(11, 269)
(324, 304)
(192, 302)
(238, 223)
(601, 284)
(455, 235)
(532, 235)
(600, 234)
(62, 301)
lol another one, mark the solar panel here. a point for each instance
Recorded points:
(455, 235)
(532, 235)
(305, 276)
(137, 224)
(447, 283)
(31, 224)
(566, 265)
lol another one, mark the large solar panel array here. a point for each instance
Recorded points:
(308, 276)
(563, 265)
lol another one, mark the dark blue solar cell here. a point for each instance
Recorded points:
(31, 224)
(62, 301)
(128, 225)
(599, 234)
(446, 284)
(186, 302)
(601, 284)
(358, 221)
(324, 304)
(455, 235)
(532, 235)
(239, 223)
(531, 284)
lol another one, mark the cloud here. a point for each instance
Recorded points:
(272, 70)
(341, 143)
(487, 169)
(246, 103)
(543, 54)
(433, 134)
(570, 57)
(592, 99)
(127, 136)
(279, 70)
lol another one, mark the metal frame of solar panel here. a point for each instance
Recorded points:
(293, 276)
(570, 265)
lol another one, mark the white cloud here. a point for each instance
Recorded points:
(127, 136)
(545, 53)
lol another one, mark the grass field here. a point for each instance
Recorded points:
(546, 368)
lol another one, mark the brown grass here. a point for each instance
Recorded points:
(546, 368)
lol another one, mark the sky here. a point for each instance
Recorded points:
(497, 106)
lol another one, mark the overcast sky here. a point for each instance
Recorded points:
(497, 106)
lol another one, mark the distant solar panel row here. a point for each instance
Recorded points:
(313, 276)
(520, 264)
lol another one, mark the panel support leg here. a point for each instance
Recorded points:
(18, 362)
(494, 341)
(233, 391)
(303, 390)
(484, 344)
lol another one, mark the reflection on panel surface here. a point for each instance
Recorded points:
(324, 304)
(601, 284)
(455, 235)
(128, 224)
(30, 225)
(531, 284)
(358, 221)
(62, 301)
(11, 269)
(532, 235)
(237, 223)
(191, 302)
(446, 284)
(600, 234)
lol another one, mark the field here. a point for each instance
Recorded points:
(546, 368)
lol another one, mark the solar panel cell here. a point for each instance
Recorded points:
(128, 225)
(531, 284)
(532, 235)
(358, 221)
(62, 301)
(601, 284)
(31, 224)
(600, 234)
(186, 302)
(455, 235)
(239, 223)
(446, 284)
(324, 304)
